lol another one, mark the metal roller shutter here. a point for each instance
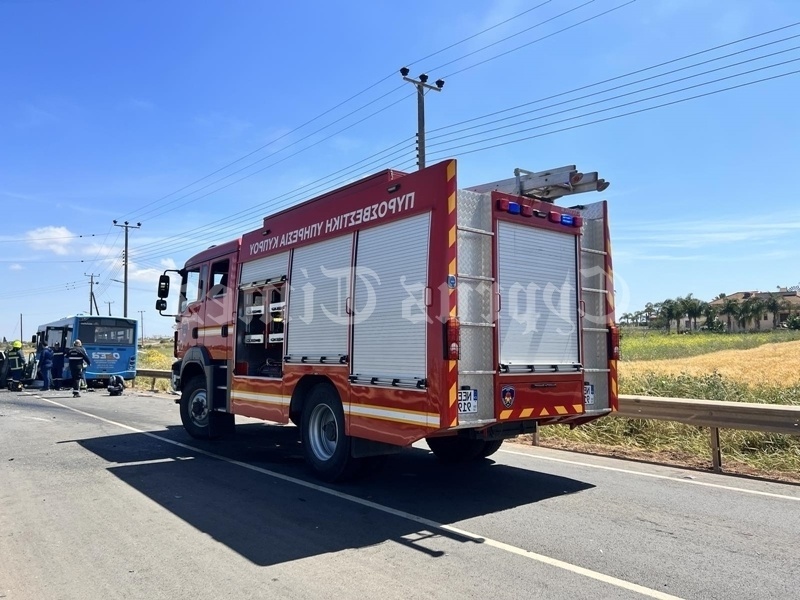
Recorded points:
(538, 285)
(391, 319)
(265, 268)
(318, 322)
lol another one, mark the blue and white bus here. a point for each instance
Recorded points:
(110, 343)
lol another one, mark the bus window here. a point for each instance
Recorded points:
(106, 331)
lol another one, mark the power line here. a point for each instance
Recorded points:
(613, 117)
(328, 111)
(346, 172)
(627, 104)
(638, 91)
(505, 39)
(597, 16)
(42, 239)
(631, 73)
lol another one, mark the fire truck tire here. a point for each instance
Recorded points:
(490, 448)
(325, 446)
(456, 449)
(195, 408)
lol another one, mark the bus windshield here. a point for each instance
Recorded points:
(105, 331)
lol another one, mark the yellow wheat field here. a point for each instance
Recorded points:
(770, 364)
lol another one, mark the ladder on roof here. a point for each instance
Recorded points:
(546, 185)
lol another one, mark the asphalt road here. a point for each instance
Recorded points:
(104, 498)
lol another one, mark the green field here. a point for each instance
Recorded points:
(654, 345)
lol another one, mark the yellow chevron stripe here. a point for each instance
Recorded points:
(544, 413)
(505, 414)
(526, 413)
(577, 408)
(453, 394)
(452, 267)
(451, 203)
(451, 170)
(452, 235)
(454, 423)
(562, 410)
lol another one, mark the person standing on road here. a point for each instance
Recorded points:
(46, 365)
(77, 356)
(58, 366)
(16, 365)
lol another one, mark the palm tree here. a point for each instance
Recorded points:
(670, 311)
(648, 311)
(774, 303)
(693, 308)
(710, 313)
(730, 308)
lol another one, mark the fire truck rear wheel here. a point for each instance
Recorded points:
(456, 449)
(325, 445)
(490, 448)
(195, 408)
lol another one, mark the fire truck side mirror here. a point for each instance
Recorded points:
(161, 304)
(163, 286)
(33, 339)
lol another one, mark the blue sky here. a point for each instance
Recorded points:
(112, 110)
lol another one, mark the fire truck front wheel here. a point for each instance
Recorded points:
(195, 408)
(325, 445)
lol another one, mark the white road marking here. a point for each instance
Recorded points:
(655, 476)
(553, 562)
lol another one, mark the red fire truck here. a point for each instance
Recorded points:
(400, 307)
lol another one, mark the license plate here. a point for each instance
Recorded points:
(588, 394)
(467, 401)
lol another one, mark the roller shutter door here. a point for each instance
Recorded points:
(389, 337)
(537, 274)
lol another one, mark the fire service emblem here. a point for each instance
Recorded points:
(507, 396)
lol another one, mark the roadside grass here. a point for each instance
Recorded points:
(158, 357)
(769, 373)
(639, 345)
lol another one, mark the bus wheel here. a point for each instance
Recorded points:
(456, 449)
(325, 445)
(195, 408)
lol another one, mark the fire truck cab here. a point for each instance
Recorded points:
(401, 308)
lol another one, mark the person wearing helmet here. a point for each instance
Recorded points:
(77, 357)
(16, 366)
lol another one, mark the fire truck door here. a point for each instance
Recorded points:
(217, 329)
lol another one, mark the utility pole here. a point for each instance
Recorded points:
(21, 337)
(91, 277)
(109, 302)
(421, 85)
(126, 226)
(141, 321)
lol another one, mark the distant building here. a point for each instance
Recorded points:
(790, 303)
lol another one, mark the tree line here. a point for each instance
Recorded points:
(719, 316)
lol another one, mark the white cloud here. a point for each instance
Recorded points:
(54, 239)
(149, 274)
(16, 267)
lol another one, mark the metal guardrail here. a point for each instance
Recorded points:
(153, 374)
(714, 414)
(773, 418)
